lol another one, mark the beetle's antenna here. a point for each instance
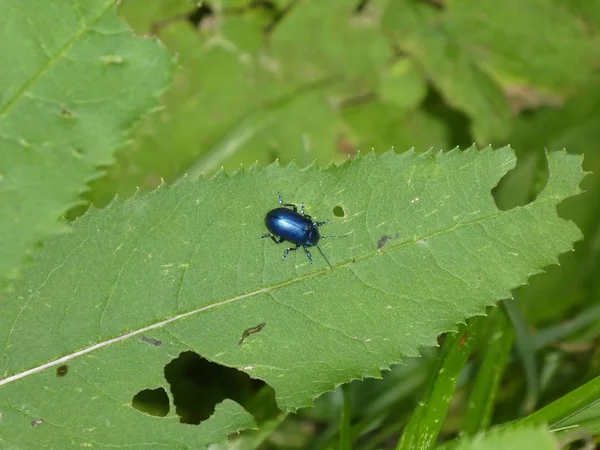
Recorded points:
(319, 247)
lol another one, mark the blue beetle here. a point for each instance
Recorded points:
(295, 227)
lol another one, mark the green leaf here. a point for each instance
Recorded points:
(474, 51)
(418, 30)
(513, 438)
(576, 125)
(70, 91)
(346, 420)
(372, 401)
(426, 248)
(225, 109)
(525, 344)
(588, 11)
(578, 409)
(555, 333)
(538, 43)
(146, 16)
(428, 417)
(403, 84)
(484, 394)
(243, 94)
(376, 124)
(341, 42)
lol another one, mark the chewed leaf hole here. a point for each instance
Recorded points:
(521, 185)
(152, 401)
(198, 385)
(338, 211)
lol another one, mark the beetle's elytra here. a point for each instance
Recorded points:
(294, 227)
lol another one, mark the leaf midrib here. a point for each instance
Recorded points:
(264, 290)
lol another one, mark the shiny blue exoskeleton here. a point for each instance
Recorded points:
(294, 227)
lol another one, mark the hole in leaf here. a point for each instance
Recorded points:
(338, 211)
(198, 385)
(152, 401)
(522, 184)
(61, 371)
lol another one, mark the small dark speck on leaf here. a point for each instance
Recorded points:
(61, 371)
(66, 113)
(151, 341)
(382, 241)
(37, 422)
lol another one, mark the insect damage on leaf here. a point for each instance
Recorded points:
(183, 265)
(250, 331)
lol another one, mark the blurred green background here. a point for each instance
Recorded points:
(323, 80)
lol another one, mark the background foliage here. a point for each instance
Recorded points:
(312, 80)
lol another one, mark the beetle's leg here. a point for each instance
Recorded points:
(326, 258)
(272, 236)
(286, 204)
(318, 224)
(287, 250)
(308, 255)
(333, 235)
(302, 210)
